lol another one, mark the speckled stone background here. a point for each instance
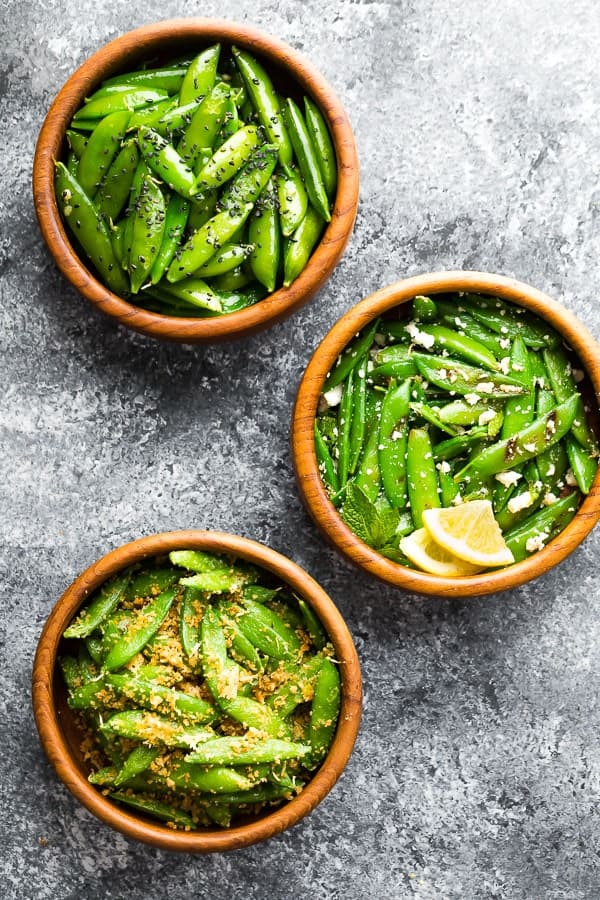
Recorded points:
(477, 769)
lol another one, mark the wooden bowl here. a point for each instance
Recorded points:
(293, 75)
(58, 729)
(307, 474)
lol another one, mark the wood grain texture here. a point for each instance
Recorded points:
(292, 74)
(60, 735)
(309, 481)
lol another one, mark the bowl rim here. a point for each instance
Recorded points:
(57, 750)
(309, 482)
(282, 302)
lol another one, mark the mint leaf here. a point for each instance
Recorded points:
(375, 527)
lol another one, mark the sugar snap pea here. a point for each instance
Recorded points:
(99, 609)
(421, 475)
(321, 139)
(238, 751)
(262, 95)
(164, 160)
(114, 190)
(325, 710)
(144, 624)
(140, 725)
(200, 75)
(293, 200)
(100, 151)
(228, 159)
(140, 758)
(301, 244)
(307, 159)
(156, 808)
(393, 438)
(205, 243)
(124, 101)
(163, 700)
(265, 237)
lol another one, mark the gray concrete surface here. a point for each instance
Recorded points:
(477, 769)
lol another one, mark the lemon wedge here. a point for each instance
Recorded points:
(423, 551)
(470, 532)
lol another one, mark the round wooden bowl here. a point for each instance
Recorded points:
(61, 738)
(309, 481)
(293, 75)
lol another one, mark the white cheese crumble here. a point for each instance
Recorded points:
(510, 389)
(485, 387)
(334, 396)
(419, 337)
(507, 479)
(549, 499)
(570, 478)
(536, 543)
(486, 416)
(472, 399)
(505, 365)
(443, 466)
(531, 448)
(521, 501)
(504, 343)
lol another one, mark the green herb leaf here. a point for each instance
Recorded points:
(375, 527)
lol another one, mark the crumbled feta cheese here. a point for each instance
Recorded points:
(380, 339)
(443, 466)
(570, 478)
(508, 478)
(550, 426)
(551, 469)
(334, 396)
(504, 343)
(578, 375)
(472, 399)
(536, 543)
(485, 387)
(517, 367)
(539, 381)
(459, 322)
(504, 329)
(419, 337)
(549, 499)
(531, 448)
(510, 388)
(381, 447)
(505, 365)
(452, 376)
(486, 416)
(521, 501)
(457, 500)
(443, 374)
(396, 435)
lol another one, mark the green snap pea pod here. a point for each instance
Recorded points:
(228, 159)
(358, 414)
(297, 688)
(216, 582)
(77, 142)
(459, 412)
(141, 725)
(448, 487)
(321, 140)
(138, 761)
(239, 751)
(395, 353)
(530, 495)
(113, 192)
(553, 462)
(463, 346)
(223, 676)
(264, 100)
(542, 525)
(231, 121)
(103, 777)
(344, 425)
(563, 384)
(164, 160)
(85, 124)
(151, 116)
(453, 375)
(140, 173)
(219, 813)
(300, 245)
(398, 369)
(421, 475)
(312, 625)
(162, 674)
(212, 780)
(99, 609)
(93, 695)
(393, 437)
(100, 151)
(147, 231)
(176, 118)
(456, 446)
(88, 669)
(308, 161)
(176, 217)
(190, 616)
(324, 711)
(250, 183)
(242, 649)
(519, 412)
(325, 462)
(166, 78)
(86, 225)
(268, 631)
(93, 642)
(265, 236)
(262, 794)
(201, 211)
(350, 356)
(200, 76)
(507, 321)
(201, 133)
(454, 315)
(583, 465)
(293, 200)
(229, 257)
(72, 164)
(150, 582)
(161, 699)
(424, 309)
(232, 281)
(70, 672)
(164, 812)
(119, 102)
(252, 714)
(196, 560)
(258, 593)
(423, 411)
(206, 242)
(145, 623)
(192, 291)
(510, 452)
(368, 477)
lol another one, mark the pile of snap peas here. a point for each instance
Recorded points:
(194, 188)
(470, 397)
(206, 691)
